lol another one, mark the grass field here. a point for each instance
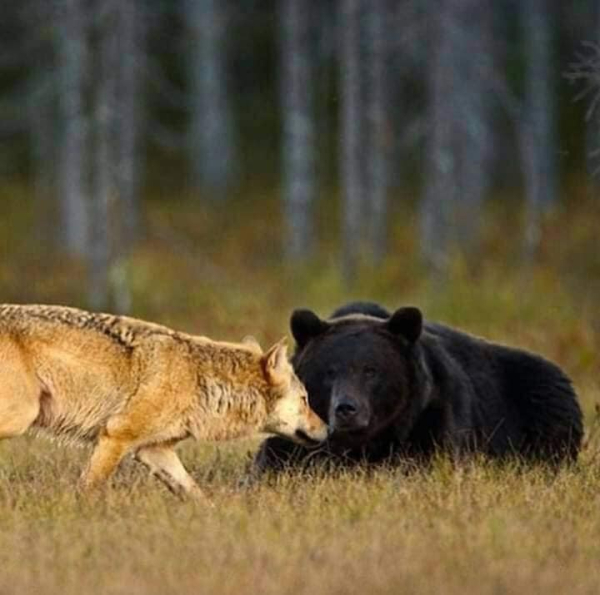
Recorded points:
(477, 527)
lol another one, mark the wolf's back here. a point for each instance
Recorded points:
(122, 330)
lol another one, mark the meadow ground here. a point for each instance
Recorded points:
(477, 527)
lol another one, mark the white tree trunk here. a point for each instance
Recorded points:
(441, 173)
(474, 125)
(538, 119)
(43, 133)
(461, 89)
(298, 127)
(212, 136)
(131, 19)
(592, 131)
(74, 63)
(379, 133)
(351, 135)
(104, 180)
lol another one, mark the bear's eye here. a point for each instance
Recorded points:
(330, 373)
(370, 371)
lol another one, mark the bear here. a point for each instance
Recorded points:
(395, 388)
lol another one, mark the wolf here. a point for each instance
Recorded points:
(130, 386)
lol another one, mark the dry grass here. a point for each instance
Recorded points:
(474, 528)
(477, 528)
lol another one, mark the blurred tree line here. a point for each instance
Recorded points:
(448, 100)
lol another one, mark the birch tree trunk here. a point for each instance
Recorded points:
(74, 159)
(104, 187)
(474, 127)
(351, 154)
(43, 134)
(461, 89)
(538, 121)
(441, 173)
(592, 136)
(213, 152)
(130, 114)
(379, 134)
(298, 127)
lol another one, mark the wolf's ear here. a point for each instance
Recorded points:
(250, 341)
(306, 325)
(275, 363)
(406, 323)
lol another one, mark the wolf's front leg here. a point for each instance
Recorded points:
(107, 455)
(165, 464)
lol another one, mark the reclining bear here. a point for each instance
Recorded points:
(392, 387)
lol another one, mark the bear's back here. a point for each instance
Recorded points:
(522, 400)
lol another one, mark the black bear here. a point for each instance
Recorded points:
(392, 387)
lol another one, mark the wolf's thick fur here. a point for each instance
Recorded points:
(132, 386)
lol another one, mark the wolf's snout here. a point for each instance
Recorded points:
(321, 432)
(305, 439)
(315, 432)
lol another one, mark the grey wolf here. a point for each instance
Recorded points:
(129, 386)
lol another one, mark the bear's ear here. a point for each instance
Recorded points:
(306, 325)
(406, 322)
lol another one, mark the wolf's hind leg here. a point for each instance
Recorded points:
(165, 464)
(107, 455)
(19, 398)
(16, 416)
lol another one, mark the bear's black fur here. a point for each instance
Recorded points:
(393, 388)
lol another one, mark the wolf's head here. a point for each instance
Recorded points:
(289, 414)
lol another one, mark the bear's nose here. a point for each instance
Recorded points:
(345, 410)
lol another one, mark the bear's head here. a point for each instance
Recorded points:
(363, 373)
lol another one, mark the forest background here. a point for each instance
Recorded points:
(213, 164)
